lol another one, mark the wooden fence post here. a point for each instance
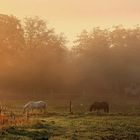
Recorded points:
(70, 107)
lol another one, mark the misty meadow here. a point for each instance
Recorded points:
(90, 90)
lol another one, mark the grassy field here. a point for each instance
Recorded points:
(58, 124)
(75, 127)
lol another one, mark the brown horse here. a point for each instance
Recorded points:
(100, 106)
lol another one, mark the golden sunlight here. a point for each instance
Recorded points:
(71, 16)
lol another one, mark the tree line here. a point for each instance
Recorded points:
(36, 61)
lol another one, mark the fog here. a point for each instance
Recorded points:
(36, 62)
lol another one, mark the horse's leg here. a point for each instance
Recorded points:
(107, 109)
(97, 111)
(32, 110)
(37, 111)
(40, 110)
(44, 110)
(104, 110)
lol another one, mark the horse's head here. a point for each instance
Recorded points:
(24, 110)
(91, 108)
(25, 107)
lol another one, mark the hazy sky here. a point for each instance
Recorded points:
(71, 16)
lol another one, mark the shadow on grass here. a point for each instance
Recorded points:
(37, 131)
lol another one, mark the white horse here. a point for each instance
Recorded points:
(39, 105)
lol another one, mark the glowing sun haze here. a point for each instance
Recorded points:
(71, 16)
